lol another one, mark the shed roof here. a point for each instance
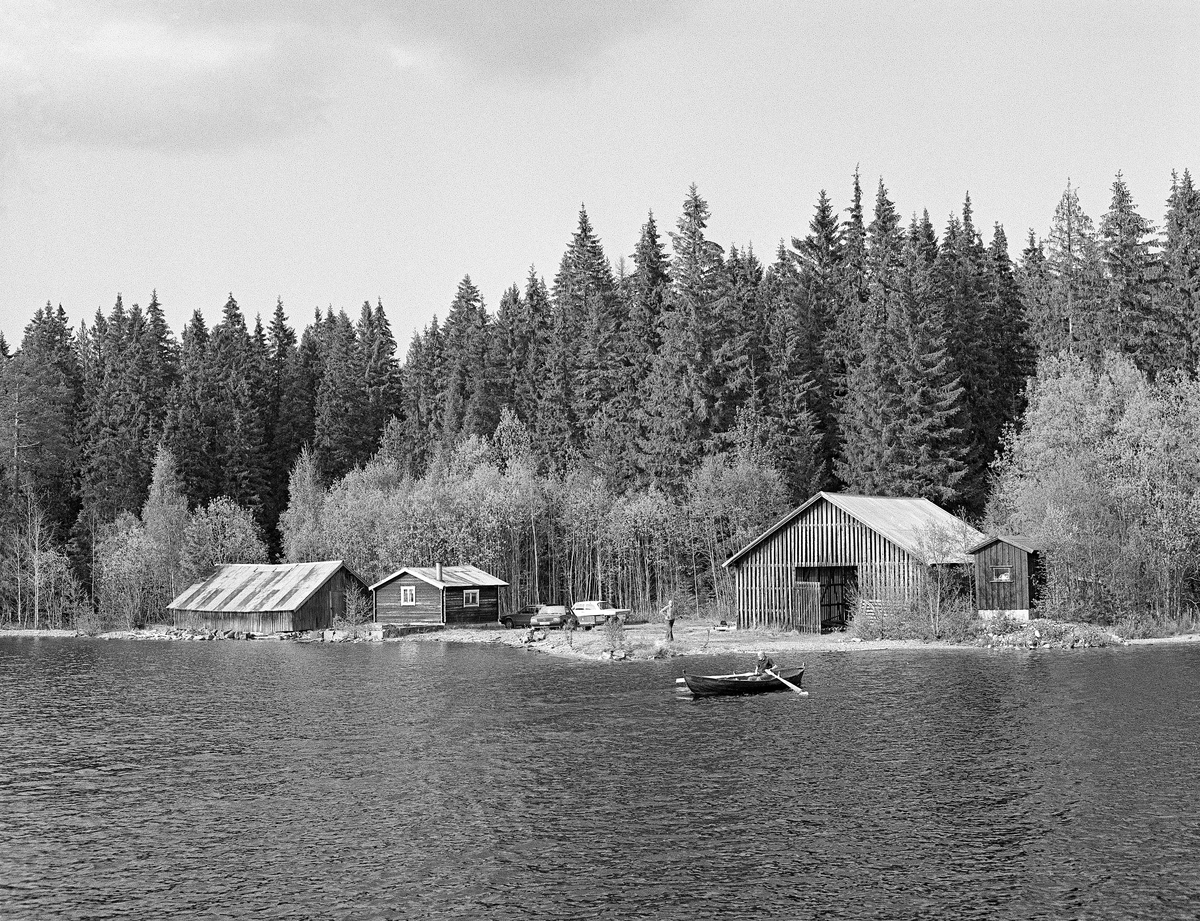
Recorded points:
(1020, 541)
(258, 587)
(902, 521)
(452, 577)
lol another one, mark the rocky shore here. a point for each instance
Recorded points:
(648, 641)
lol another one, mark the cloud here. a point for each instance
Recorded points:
(216, 73)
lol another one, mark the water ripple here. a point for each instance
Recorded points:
(426, 781)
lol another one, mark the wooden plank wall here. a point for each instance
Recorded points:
(1002, 596)
(823, 536)
(389, 610)
(488, 611)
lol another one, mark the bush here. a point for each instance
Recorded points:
(952, 620)
(90, 622)
(614, 634)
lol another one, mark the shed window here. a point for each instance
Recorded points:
(471, 598)
(408, 594)
(1001, 573)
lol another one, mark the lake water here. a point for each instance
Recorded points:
(274, 780)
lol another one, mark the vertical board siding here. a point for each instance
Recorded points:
(1004, 596)
(824, 537)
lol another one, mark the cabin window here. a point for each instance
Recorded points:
(408, 594)
(471, 598)
(1001, 573)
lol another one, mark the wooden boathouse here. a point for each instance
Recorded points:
(450, 595)
(808, 570)
(1008, 575)
(261, 598)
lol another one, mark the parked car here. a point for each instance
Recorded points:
(536, 615)
(594, 613)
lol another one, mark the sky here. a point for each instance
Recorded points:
(328, 154)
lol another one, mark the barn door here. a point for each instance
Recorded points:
(806, 608)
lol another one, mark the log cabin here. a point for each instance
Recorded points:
(839, 552)
(448, 595)
(262, 598)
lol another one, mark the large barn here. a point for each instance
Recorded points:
(452, 595)
(808, 569)
(261, 598)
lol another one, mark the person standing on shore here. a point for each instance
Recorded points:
(669, 617)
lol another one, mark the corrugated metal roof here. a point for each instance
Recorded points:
(452, 576)
(1028, 544)
(255, 587)
(904, 522)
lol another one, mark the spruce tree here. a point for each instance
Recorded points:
(1045, 328)
(236, 374)
(1181, 258)
(585, 348)
(468, 408)
(194, 434)
(962, 276)
(128, 367)
(1012, 350)
(817, 294)
(1133, 321)
(423, 382)
(871, 418)
(1076, 270)
(930, 456)
(342, 436)
(40, 392)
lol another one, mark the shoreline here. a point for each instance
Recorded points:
(639, 642)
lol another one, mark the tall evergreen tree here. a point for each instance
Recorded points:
(280, 415)
(820, 259)
(236, 373)
(342, 435)
(40, 391)
(586, 331)
(423, 382)
(1011, 352)
(1133, 321)
(930, 455)
(194, 425)
(1181, 258)
(1076, 270)
(679, 393)
(962, 269)
(872, 410)
(469, 406)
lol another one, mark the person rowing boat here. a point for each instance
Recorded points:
(763, 665)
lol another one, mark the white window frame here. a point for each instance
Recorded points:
(1002, 574)
(470, 597)
(408, 594)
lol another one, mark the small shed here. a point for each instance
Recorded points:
(451, 595)
(806, 571)
(1008, 573)
(262, 598)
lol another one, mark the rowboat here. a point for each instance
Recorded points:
(744, 683)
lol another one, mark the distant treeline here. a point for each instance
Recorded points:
(620, 429)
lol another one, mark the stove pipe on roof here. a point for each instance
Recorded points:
(439, 572)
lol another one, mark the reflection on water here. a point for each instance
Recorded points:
(154, 780)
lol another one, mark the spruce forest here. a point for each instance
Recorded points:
(619, 429)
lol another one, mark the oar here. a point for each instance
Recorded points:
(800, 691)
